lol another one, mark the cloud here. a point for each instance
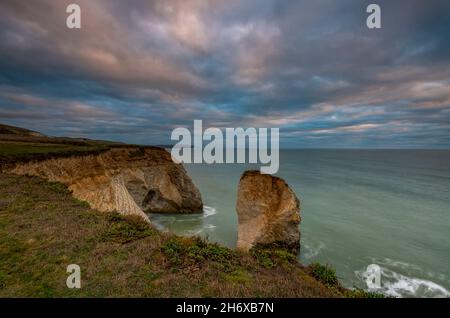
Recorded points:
(138, 69)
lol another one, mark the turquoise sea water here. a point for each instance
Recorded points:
(358, 207)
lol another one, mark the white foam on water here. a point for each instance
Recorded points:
(163, 222)
(158, 226)
(399, 285)
(209, 227)
(194, 232)
(201, 230)
(397, 264)
(208, 211)
(309, 251)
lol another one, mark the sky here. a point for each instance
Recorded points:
(138, 69)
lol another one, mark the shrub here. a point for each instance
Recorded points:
(238, 276)
(271, 257)
(173, 250)
(324, 273)
(263, 256)
(196, 250)
(82, 203)
(57, 187)
(124, 230)
(360, 293)
(285, 255)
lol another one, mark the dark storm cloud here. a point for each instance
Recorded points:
(137, 69)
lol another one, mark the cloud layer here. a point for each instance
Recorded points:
(138, 69)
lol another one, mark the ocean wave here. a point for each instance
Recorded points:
(208, 211)
(399, 285)
(209, 227)
(158, 226)
(199, 231)
(309, 251)
(391, 263)
(194, 232)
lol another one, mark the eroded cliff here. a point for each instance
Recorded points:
(268, 212)
(131, 180)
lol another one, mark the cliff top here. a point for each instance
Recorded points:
(12, 130)
(23, 145)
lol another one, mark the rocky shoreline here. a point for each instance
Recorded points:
(140, 180)
(45, 188)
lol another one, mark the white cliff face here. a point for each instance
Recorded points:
(268, 212)
(130, 181)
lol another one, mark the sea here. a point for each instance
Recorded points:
(359, 208)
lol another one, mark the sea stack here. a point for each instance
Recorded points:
(268, 212)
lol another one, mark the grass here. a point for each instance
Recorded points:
(195, 250)
(34, 149)
(325, 274)
(124, 230)
(360, 293)
(9, 148)
(14, 149)
(43, 229)
(20, 151)
(22, 145)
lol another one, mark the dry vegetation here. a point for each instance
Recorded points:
(18, 144)
(22, 145)
(43, 229)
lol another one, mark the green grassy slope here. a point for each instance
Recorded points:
(19, 144)
(43, 229)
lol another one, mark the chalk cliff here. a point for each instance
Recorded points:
(131, 180)
(268, 212)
